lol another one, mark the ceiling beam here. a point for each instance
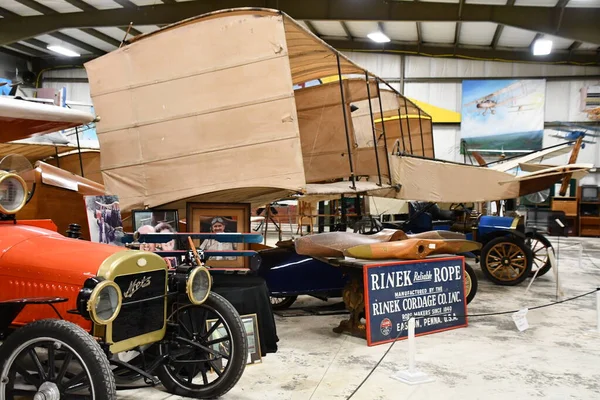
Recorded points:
(29, 50)
(500, 27)
(347, 31)
(458, 25)
(6, 50)
(576, 23)
(505, 54)
(311, 28)
(34, 5)
(535, 39)
(575, 46)
(82, 5)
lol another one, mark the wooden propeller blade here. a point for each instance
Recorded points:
(411, 249)
(479, 158)
(333, 244)
(565, 181)
(438, 235)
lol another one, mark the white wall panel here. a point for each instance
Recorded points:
(446, 142)
(429, 67)
(438, 32)
(382, 65)
(361, 28)
(477, 33)
(9, 66)
(445, 95)
(76, 91)
(401, 30)
(329, 28)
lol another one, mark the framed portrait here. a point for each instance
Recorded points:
(220, 218)
(157, 221)
(104, 219)
(250, 322)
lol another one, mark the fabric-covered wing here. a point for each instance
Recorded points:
(20, 119)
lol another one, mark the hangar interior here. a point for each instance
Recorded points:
(336, 138)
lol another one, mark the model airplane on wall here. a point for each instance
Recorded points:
(571, 132)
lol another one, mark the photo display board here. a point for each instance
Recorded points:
(431, 290)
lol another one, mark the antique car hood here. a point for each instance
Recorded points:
(38, 255)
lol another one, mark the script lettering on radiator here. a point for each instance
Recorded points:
(136, 285)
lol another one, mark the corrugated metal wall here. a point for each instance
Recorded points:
(9, 66)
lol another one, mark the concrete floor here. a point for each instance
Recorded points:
(558, 357)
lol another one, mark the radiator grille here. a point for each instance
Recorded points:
(141, 311)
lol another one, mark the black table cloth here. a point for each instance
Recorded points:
(249, 295)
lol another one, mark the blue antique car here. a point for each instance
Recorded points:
(289, 275)
(510, 253)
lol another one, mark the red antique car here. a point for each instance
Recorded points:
(81, 319)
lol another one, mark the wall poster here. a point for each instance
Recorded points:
(503, 116)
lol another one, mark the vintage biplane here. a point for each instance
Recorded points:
(509, 95)
(245, 128)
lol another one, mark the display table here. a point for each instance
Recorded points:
(250, 295)
(387, 293)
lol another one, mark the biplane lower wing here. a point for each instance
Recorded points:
(438, 181)
(20, 119)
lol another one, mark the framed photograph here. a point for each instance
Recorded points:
(104, 219)
(157, 221)
(250, 322)
(220, 218)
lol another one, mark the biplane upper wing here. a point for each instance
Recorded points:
(20, 119)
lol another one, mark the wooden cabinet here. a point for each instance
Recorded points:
(589, 217)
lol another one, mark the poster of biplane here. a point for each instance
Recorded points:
(503, 116)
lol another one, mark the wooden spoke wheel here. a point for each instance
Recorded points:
(506, 260)
(540, 247)
(470, 283)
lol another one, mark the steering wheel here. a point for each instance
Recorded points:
(374, 226)
(454, 206)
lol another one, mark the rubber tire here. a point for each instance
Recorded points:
(238, 365)
(284, 305)
(471, 272)
(516, 241)
(544, 240)
(81, 341)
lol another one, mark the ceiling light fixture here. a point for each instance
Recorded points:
(542, 47)
(63, 51)
(378, 37)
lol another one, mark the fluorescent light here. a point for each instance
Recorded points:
(542, 47)
(63, 51)
(378, 37)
